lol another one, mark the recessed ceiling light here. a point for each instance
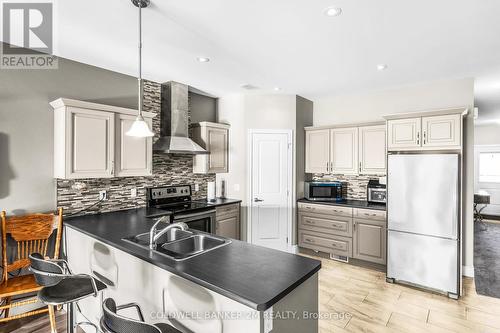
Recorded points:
(277, 89)
(381, 67)
(333, 11)
(203, 59)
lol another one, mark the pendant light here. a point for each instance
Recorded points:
(139, 127)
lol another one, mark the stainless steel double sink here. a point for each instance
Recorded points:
(180, 244)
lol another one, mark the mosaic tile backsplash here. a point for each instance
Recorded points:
(356, 185)
(167, 170)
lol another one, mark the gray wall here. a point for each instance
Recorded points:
(304, 117)
(203, 108)
(26, 125)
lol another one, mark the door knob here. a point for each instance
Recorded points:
(257, 200)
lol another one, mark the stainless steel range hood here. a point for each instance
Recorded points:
(174, 122)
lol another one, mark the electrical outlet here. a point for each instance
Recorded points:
(196, 187)
(236, 187)
(103, 195)
(133, 192)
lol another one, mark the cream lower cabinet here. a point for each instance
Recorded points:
(372, 150)
(90, 141)
(318, 151)
(343, 231)
(213, 137)
(228, 221)
(133, 155)
(325, 228)
(369, 235)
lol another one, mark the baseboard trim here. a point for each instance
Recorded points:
(468, 271)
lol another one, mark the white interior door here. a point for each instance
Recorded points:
(270, 172)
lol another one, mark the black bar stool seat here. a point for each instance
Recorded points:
(69, 290)
(111, 322)
(61, 286)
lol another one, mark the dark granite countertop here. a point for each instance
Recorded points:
(348, 203)
(252, 275)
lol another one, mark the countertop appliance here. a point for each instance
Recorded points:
(325, 191)
(376, 192)
(423, 220)
(177, 201)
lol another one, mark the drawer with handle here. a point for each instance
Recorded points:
(232, 209)
(325, 209)
(369, 214)
(335, 244)
(341, 226)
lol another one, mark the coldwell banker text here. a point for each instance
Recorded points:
(27, 36)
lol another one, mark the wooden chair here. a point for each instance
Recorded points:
(31, 234)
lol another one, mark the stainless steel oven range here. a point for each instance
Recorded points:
(177, 201)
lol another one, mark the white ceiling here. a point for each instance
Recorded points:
(287, 43)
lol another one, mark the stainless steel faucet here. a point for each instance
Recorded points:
(154, 234)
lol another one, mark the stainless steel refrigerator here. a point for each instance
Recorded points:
(423, 221)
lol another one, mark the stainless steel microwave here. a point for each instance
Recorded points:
(325, 191)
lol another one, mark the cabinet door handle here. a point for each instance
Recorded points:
(257, 200)
(309, 240)
(310, 222)
(354, 226)
(359, 166)
(418, 138)
(112, 168)
(425, 135)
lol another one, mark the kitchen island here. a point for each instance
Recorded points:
(239, 287)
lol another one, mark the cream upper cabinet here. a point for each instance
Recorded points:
(347, 150)
(89, 141)
(344, 150)
(84, 143)
(442, 131)
(429, 130)
(404, 133)
(133, 155)
(213, 137)
(372, 150)
(317, 151)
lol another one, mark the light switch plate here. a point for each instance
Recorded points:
(196, 187)
(133, 192)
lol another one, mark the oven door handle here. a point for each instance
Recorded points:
(187, 216)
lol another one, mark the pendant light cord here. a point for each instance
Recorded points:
(140, 60)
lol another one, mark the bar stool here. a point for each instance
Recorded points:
(111, 322)
(61, 286)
